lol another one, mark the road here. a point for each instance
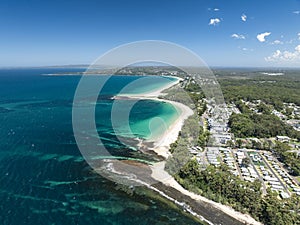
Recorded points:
(274, 173)
(260, 177)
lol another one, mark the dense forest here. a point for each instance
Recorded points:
(249, 86)
(263, 125)
(288, 157)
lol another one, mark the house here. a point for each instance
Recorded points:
(283, 138)
(284, 195)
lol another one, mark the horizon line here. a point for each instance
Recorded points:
(87, 65)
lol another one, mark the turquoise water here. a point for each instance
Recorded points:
(154, 126)
(144, 114)
(43, 177)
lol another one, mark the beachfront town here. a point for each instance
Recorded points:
(241, 146)
(247, 158)
(247, 162)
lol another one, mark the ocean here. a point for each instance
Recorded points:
(43, 176)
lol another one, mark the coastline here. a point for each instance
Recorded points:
(159, 174)
(162, 143)
(161, 148)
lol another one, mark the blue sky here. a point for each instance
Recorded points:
(36, 32)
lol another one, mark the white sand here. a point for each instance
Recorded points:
(158, 173)
(162, 145)
(155, 94)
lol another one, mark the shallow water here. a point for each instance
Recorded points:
(43, 177)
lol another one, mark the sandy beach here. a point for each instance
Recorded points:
(162, 143)
(158, 173)
(161, 147)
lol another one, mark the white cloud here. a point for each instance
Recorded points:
(277, 42)
(296, 12)
(247, 49)
(276, 55)
(298, 36)
(238, 36)
(244, 17)
(213, 9)
(286, 56)
(214, 21)
(262, 37)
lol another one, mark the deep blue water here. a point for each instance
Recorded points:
(43, 177)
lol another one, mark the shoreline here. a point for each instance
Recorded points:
(159, 174)
(161, 148)
(162, 142)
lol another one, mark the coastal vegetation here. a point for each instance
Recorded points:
(288, 157)
(254, 125)
(189, 136)
(260, 125)
(220, 185)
